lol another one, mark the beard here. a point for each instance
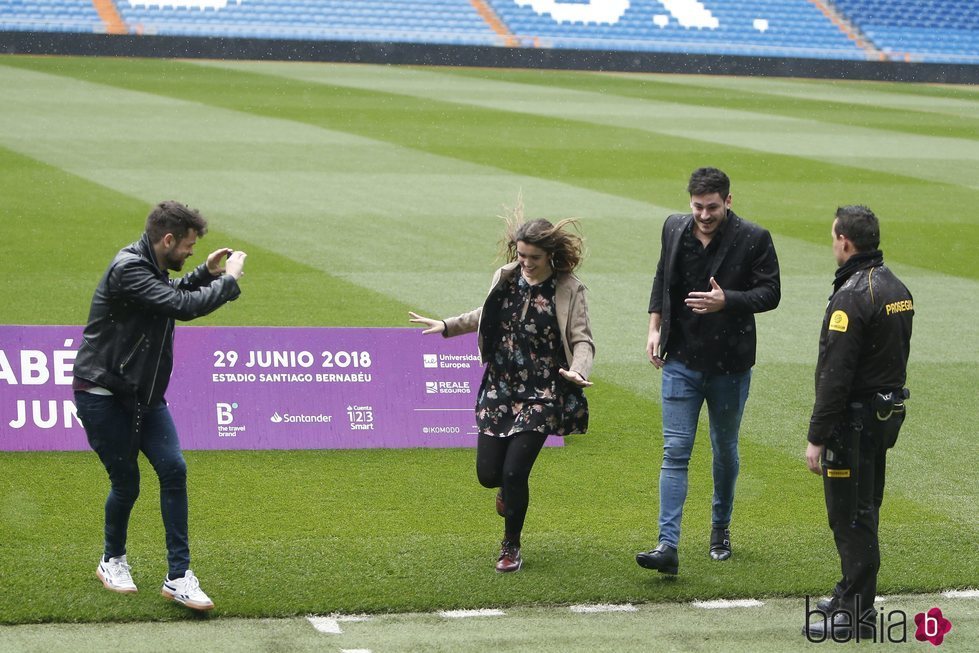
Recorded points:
(175, 263)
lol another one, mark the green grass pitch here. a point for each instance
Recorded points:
(362, 192)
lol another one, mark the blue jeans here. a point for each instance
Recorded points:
(108, 424)
(684, 393)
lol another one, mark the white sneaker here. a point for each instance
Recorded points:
(115, 575)
(187, 591)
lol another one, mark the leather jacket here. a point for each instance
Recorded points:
(127, 345)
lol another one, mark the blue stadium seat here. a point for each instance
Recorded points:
(932, 30)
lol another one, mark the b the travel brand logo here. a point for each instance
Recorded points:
(876, 627)
(226, 420)
(932, 627)
(447, 388)
(288, 418)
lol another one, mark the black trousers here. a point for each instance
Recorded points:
(854, 495)
(506, 462)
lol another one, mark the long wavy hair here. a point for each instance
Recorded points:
(562, 242)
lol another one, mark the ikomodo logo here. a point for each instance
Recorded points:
(876, 627)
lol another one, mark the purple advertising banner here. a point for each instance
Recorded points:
(263, 388)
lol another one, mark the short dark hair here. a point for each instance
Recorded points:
(172, 217)
(860, 226)
(704, 181)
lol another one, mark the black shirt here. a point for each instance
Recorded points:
(695, 340)
(744, 265)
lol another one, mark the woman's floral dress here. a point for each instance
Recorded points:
(521, 388)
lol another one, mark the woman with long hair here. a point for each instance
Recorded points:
(535, 341)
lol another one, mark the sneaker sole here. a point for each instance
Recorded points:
(111, 588)
(199, 607)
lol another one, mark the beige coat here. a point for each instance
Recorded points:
(572, 319)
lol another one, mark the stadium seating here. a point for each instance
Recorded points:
(424, 21)
(49, 16)
(912, 30)
(917, 30)
(746, 27)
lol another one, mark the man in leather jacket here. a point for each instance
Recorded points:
(121, 374)
(859, 408)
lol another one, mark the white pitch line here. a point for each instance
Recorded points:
(353, 617)
(961, 594)
(724, 603)
(603, 607)
(355, 650)
(462, 614)
(327, 625)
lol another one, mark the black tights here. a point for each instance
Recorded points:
(507, 462)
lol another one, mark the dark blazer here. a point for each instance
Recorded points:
(745, 267)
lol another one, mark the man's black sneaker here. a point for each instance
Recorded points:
(827, 605)
(839, 626)
(663, 559)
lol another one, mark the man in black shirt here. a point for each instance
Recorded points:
(860, 375)
(715, 272)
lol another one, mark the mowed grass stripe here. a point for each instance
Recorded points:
(631, 163)
(337, 529)
(822, 101)
(300, 532)
(761, 179)
(63, 230)
(319, 196)
(699, 113)
(899, 98)
(950, 160)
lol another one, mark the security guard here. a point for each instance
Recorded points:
(859, 409)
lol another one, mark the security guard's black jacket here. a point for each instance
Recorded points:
(127, 345)
(865, 341)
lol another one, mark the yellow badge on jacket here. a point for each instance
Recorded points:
(838, 321)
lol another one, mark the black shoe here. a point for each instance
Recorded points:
(828, 605)
(663, 559)
(839, 627)
(720, 543)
